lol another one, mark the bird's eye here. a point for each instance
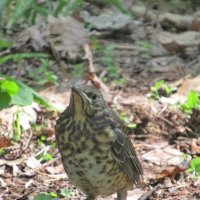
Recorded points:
(92, 96)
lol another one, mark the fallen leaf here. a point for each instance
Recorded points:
(164, 155)
(66, 37)
(107, 21)
(5, 141)
(170, 172)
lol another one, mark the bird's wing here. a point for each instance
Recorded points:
(124, 153)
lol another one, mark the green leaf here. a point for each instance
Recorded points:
(5, 100)
(144, 44)
(159, 84)
(24, 97)
(53, 194)
(193, 99)
(132, 125)
(195, 166)
(1, 151)
(67, 192)
(9, 86)
(21, 7)
(47, 157)
(43, 196)
(4, 44)
(191, 103)
(19, 56)
(119, 5)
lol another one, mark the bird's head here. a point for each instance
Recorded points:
(86, 100)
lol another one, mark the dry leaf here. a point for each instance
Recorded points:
(107, 21)
(66, 37)
(164, 155)
(4, 141)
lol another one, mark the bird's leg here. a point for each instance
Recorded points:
(122, 194)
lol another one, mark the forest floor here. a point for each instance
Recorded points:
(146, 66)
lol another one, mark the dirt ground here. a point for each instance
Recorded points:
(129, 55)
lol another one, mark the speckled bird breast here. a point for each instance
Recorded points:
(85, 148)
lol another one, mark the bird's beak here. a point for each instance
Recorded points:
(79, 97)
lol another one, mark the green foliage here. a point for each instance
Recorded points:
(19, 56)
(44, 196)
(16, 127)
(1, 151)
(44, 157)
(77, 70)
(194, 167)
(8, 89)
(67, 7)
(42, 75)
(47, 157)
(108, 62)
(53, 194)
(22, 8)
(67, 193)
(17, 11)
(192, 102)
(120, 5)
(161, 89)
(4, 44)
(42, 139)
(15, 92)
(144, 44)
(127, 121)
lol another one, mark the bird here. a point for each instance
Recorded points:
(96, 153)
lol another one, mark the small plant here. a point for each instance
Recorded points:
(42, 139)
(108, 62)
(44, 156)
(77, 70)
(16, 127)
(1, 151)
(19, 56)
(47, 157)
(192, 102)
(53, 194)
(119, 5)
(194, 167)
(8, 89)
(4, 44)
(67, 193)
(161, 89)
(42, 75)
(19, 11)
(144, 44)
(46, 196)
(14, 92)
(127, 121)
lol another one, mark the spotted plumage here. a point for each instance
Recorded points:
(96, 154)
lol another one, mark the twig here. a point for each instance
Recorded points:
(25, 195)
(89, 57)
(90, 70)
(27, 143)
(149, 193)
(47, 163)
(54, 176)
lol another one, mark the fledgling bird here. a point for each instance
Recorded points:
(97, 155)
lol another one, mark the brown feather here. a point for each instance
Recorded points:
(124, 153)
